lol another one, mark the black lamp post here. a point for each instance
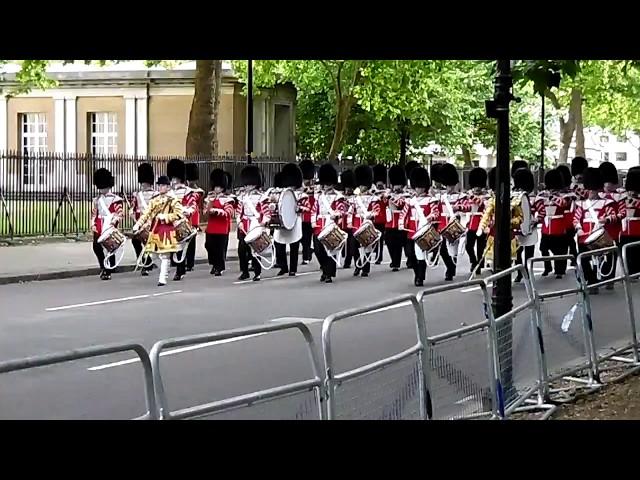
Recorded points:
(541, 174)
(249, 111)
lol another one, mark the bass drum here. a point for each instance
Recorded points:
(288, 237)
(284, 209)
(528, 232)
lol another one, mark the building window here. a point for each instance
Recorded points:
(621, 156)
(104, 133)
(34, 143)
(621, 138)
(604, 139)
(605, 157)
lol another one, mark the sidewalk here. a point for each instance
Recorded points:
(65, 259)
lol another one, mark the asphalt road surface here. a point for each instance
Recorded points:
(44, 317)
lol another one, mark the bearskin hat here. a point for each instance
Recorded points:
(578, 166)
(523, 179)
(420, 178)
(609, 172)
(410, 166)
(102, 178)
(478, 178)
(448, 175)
(229, 178)
(218, 178)
(145, 173)
(364, 175)
(308, 169)
(592, 179)
(553, 179)
(397, 175)
(492, 177)
(517, 165)
(435, 170)
(380, 174)
(163, 180)
(176, 169)
(327, 175)
(632, 182)
(278, 180)
(566, 174)
(250, 175)
(192, 171)
(292, 175)
(348, 179)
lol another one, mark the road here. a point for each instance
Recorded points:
(50, 316)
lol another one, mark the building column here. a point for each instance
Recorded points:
(141, 126)
(130, 125)
(58, 124)
(71, 124)
(3, 123)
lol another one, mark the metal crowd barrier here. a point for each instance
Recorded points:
(90, 352)
(410, 399)
(314, 384)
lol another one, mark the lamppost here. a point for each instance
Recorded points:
(541, 173)
(249, 111)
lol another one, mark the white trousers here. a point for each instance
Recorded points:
(165, 261)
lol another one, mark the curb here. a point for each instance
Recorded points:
(81, 272)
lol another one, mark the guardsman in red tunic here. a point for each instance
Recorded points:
(139, 202)
(308, 174)
(395, 201)
(291, 177)
(193, 174)
(330, 206)
(366, 204)
(409, 224)
(592, 213)
(551, 207)
(347, 186)
(380, 181)
(612, 191)
(631, 219)
(177, 173)
(106, 211)
(219, 209)
(570, 197)
(474, 204)
(451, 204)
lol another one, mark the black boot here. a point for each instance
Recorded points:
(177, 277)
(243, 276)
(283, 271)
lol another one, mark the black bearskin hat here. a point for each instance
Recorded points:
(102, 178)
(163, 180)
(176, 169)
(229, 178)
(523, 179)
(192, 171)
(145, 173)
(327, 175)
(410, 166)
(478, 178)
(566, 174)
(517, 165)
(448, 175)
(578, 166)
(553, 179)
(348, 179)
(278, 180)
(292, 175)
(420, 178)
(397, 175)
(218, 178)
(364, 175)
(609, 172)
(308, 169)
(250, 175)
(493, 178)
(632, 182)
(592, 179)
(380, 174)
(435, 170)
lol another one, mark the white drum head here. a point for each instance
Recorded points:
(287, 208)
(106, 233)
(593, 235)
(526, 215)
(253, 234)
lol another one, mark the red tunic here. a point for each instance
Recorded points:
(381, 215)
(395, 205)
(604, 210)
(140, 200)
(411, 220)
(456, 200)
(311, 205)
(630, 211)
(320, 215)
(247, 214)
(371, 204)
(550, 210)
(474, 203)
(219, 211)
(106, 208)
(615, 226)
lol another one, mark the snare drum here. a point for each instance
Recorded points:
(427, 238)
(111, 239)
(283, 208)
(367, 234)
(259, 239)
(184, 230)
(598, 239)
(142, 236)
(453, 231)
(332, 237)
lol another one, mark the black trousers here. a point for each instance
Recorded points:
(137, 246)
(380, 248)
(419, 269)
(348, 257)
(410, 252)
(475, 248)
(448, 261)
(190, 261)
(558, 245)
(245, 254)
(307, 236)
(528, 253)
(590, 274)
(396, 240)
(355, 248)
(281, 256)
(99, 252)
(215, 244)
(633, 254)
(571, 241)
(327, 265)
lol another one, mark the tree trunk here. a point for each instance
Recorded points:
(342, 114)
(404, 139)
(202, 133)
(580, 150)
(568, 127)
(466, 155)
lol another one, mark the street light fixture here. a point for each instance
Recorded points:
(249, 111)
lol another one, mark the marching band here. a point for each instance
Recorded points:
(348, 218)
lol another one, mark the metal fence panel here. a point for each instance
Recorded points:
(294, 395)
(394, 387)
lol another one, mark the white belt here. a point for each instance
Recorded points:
(629, 219)
(552, 217)
(476, 214)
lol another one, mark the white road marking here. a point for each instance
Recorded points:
(464, 400)
(241, 282)
(175, 351)
(112, 300)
